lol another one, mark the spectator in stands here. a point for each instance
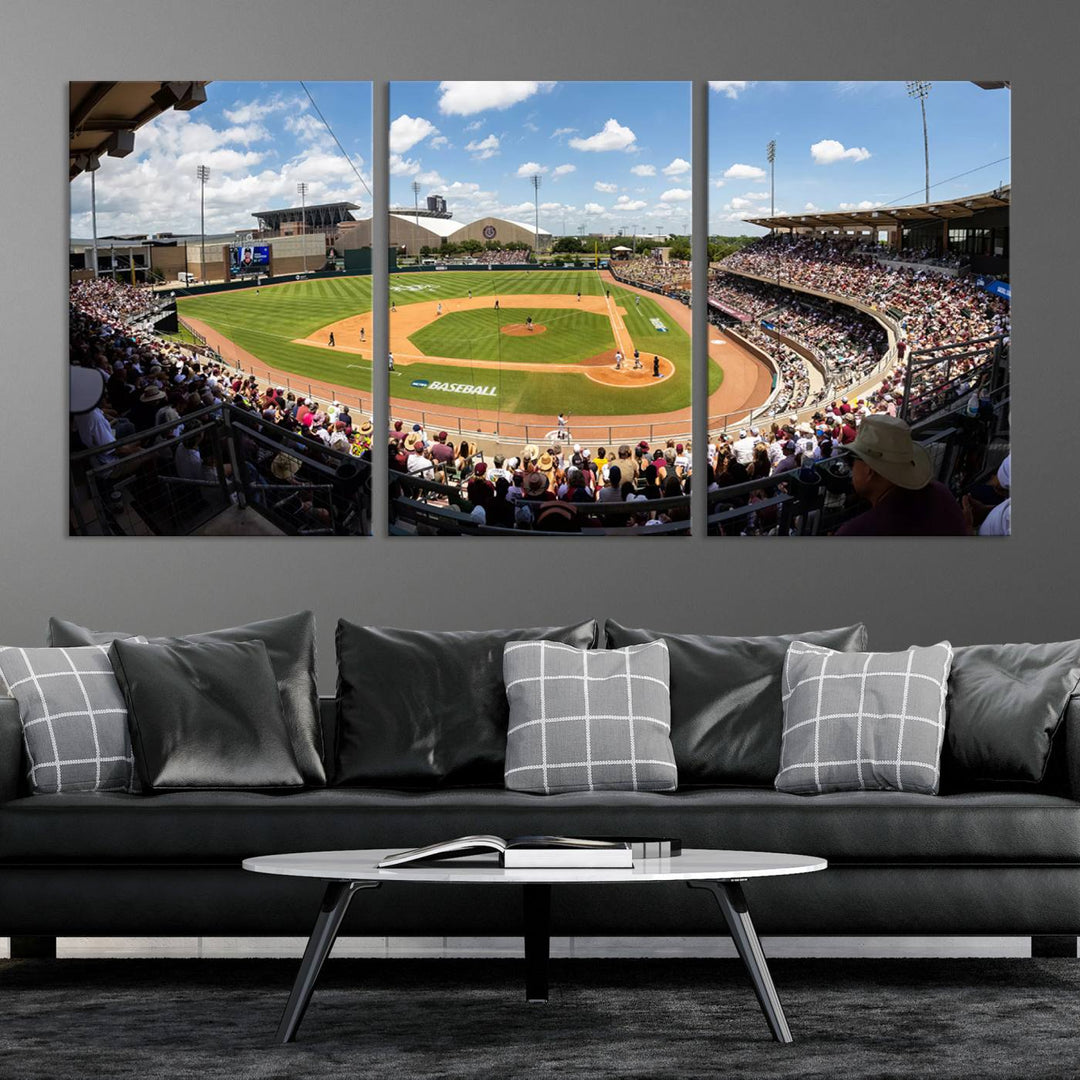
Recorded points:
(992, 519)
(894, 474)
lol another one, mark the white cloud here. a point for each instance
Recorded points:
(677, 167)
(400, 166)
(530, 126)
(608, 189)
(476, 125)
(730, 89)
(551, 206)
(252, 111)
(612, 136)
(758, 196)
(518, 208)
(744, 172)
(739, 203)
(624, 202)
(563, 170)
(866, 204)
(531, 167)
(439, 142)
(307, 127)
(563, 131)
(431, 179)
(829, 151)
(676, 195)
(482, 149)
(406, 131)
(717, 182)
(595, 208)
(468, 98)
(643, 170)
(810, 208)
(155, 189)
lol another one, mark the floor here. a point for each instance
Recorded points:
(438, 948)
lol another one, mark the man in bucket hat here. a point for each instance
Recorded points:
(893, 473)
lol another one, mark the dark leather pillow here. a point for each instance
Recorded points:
(1004, 706)
(290, 644)
(427, 708)
(205, 715)
(726, 709)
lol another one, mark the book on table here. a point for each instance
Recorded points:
(524, 852)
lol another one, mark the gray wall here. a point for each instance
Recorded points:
(1019, 589)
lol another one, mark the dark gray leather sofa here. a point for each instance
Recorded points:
(993, 863)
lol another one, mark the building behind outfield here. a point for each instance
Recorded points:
(163, 257)
(411, 230)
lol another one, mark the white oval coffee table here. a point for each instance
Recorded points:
(720, 872)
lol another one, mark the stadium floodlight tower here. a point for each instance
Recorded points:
(535, 180)
(202, 172)
(416, 185)
(301, 189)
(920, 90)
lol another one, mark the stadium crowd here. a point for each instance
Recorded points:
(560, 488)
(848, 344)
(151, 383)
(936, 309)
(502, 256)
(863, 454)
(670, 278)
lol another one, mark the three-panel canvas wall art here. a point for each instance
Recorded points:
(503, 342)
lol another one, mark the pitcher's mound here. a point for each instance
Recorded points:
(519, 329)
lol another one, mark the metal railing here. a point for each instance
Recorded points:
(419, 506)
(133, 486)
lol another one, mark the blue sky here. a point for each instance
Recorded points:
(846, 145)
(611, 155)
(259, 139)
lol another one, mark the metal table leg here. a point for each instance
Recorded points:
(537, 903)
(732, 903)
(334, 905)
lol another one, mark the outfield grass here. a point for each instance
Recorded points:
(568, 335)
(266, 325)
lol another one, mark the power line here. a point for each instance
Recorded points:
(359, 176)
(978, 168)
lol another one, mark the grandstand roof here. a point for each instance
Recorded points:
(102, 116)
(315, 214)
(883, 216)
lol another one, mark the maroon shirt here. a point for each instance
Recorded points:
(930, 511)
(442, 453)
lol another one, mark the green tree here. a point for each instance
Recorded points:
(570, 245)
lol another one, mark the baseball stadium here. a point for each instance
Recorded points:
(539, 378)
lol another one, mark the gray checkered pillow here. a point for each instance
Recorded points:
(863, 721)
(74, 719)
(588, 719)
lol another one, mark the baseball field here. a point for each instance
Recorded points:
(507, 342)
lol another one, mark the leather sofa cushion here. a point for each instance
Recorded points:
(290, 644)
(726, 709)
(205, 715)
(1004, 707)
(424, 709)
(227, 826)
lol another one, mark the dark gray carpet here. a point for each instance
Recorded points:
(467, 1018)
